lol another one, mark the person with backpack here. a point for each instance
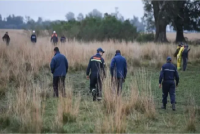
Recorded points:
(33, 37)
(54, 38)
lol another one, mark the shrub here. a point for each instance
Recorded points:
(145, 37)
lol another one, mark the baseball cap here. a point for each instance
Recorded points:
(100, 50)
(169, 58)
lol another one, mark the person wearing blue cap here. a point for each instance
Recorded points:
(96, 72)
(167, 75)
(118, 70)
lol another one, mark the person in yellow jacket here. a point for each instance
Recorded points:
(179, 56)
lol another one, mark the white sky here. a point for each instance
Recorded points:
(57, 9)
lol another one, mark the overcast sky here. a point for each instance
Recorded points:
(57, 9)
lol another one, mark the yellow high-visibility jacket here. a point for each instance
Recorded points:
(180, 52)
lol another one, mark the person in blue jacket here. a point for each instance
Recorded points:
(96, 73)
(167, 75)
(59, 68)
(33, 37)
(118, 69)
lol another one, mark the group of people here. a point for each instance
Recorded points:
(95, 72)
(118, 70)
(182, 54)
(54, 38)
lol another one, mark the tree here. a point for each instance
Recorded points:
(80, 17)
(70, 16)
(95, 13)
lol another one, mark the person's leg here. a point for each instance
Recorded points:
(55, 86)
(172, 95)
(99, 88)
(119, 85)
(184, 64)
(179, 63)
(63, 86)
(165, 91)
(93, 83)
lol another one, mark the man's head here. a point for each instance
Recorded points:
(6, 32)
(100, 51)
(54, 32)
(56, 49)
(118, 52)
(180, 44)
(185, 46)
(169, 59)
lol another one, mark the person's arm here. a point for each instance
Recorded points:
(66, 64)
(3, 37)
(88, 68)
(176, 77)
(161, 76)
(103, 67)
(125, 69)
(52, 65)
(112, 66)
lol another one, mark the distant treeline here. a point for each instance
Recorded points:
(93, 26)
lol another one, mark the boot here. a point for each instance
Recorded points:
(173, 107)
(163, 106)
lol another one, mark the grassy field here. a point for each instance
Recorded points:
(27, 105)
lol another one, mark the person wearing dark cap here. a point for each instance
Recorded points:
(167, 75)
(96, 73)
(118, 69)
(185, 57)
(59, 68)
(177, 50)
(6, 38)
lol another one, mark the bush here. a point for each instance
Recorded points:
(145, 37)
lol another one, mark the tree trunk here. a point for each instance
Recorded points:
(161, 32)
(179, 35)
(160, 21)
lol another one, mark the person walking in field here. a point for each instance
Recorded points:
(96, 72)
(179, 56)
(33, 37)
(63, 39)
(59, 68)
(167, 75)
(185, 57)
(6, 38)
(54, 38)
(118, 69)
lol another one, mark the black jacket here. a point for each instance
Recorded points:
(33, 38)
(6, 38)
(96, 66)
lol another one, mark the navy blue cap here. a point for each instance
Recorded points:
(100, 50)
(169, 58)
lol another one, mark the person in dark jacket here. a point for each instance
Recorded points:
(118, 69)
(59, 68)
(63, 39)
(96, 67)
(185, 57)
(6, 38)
(33, 37)
(167, 75)
(54, 38)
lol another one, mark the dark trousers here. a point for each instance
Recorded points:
(59, 84)
(184, 63)
(168, 88)
(96, 83)
(118, 85)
